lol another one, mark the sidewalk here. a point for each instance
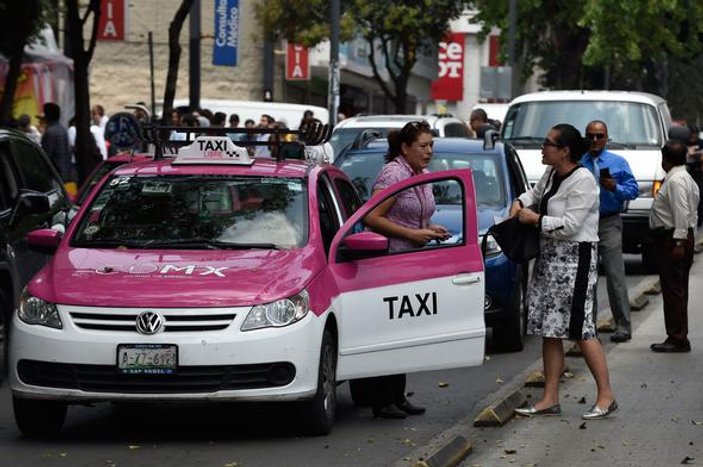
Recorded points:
(660, 397)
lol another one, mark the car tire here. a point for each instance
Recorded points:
(4, 333)
(510, 335)
(38, 418)
(319, 412)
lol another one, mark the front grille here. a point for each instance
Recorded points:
(187, 379)
(174, 321)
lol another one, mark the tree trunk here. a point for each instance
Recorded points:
(174, 57)
(13, 74)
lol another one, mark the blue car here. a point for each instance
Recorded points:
(498, 178)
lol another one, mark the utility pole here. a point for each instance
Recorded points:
(333, 93)
(194, 56)
(512, 21)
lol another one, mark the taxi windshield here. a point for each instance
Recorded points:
(196, 212)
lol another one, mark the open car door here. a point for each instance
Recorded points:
(413, 310)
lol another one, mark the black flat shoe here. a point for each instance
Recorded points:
(670, 347)
(389, 411)
(621, 336)
(410, 409)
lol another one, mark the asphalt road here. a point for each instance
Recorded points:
(265, 435)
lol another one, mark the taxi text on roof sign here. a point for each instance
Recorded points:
(213, 150)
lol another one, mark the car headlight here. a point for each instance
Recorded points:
(33, 310)
(277, 314)
(492, 247)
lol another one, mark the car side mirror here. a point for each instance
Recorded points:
(363, 245)
(28, 203)
(44, 240)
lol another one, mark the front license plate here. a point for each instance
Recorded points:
(155, 359)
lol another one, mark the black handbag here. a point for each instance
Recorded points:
(519, 242)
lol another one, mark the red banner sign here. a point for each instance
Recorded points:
(297, 63)
(112, 20)
(450, 78)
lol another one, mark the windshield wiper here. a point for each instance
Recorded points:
(106, 244)
(619, 145)
(204, 243)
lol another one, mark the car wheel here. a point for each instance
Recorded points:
(4, 329)
(38, 418)
(510, 335)
(318, 413)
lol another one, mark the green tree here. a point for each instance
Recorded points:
(398, 30)
(19, 24)
(600, 43)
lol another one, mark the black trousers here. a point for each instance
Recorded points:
(384, 390)
(673, 276)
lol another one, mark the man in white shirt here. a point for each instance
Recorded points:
(672, 219)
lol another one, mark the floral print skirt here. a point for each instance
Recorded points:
(561, 291)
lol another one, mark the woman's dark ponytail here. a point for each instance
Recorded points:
(394, 142)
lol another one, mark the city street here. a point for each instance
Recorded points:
(253, 435)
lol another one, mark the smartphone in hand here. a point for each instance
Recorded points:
(605, 173)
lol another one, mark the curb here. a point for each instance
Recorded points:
(501, 411)
(451, 447)
(450, 454)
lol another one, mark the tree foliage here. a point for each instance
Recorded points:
(622, 44)
(398, 30)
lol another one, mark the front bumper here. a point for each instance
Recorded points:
(76, 364)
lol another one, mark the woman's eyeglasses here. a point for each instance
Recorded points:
(549, 142)
(595, 136)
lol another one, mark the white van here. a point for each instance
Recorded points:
(290, 114)
(638, 125)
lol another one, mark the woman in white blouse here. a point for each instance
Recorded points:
(563, 205)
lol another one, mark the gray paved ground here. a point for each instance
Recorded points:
(660, 420)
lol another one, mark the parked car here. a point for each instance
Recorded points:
(32, 196)
(215, 277)
(638, 124)
(498, 178)
(347, 131)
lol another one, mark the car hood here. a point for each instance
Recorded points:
(173, 278)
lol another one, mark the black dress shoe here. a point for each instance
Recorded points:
(388, 411)
(410, 409)
(670, 347)
(620, 336)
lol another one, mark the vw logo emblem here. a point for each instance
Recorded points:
(149, 322)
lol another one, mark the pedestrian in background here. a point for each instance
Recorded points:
(405, 219)
(479, 123)
(673, 218)
(561, 291)
(24, 124)
(617, 187)
(694, 159)
(55, 141)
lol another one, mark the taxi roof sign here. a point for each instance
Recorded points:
(213, 150)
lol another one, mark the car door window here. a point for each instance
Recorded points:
(327, 211)
(349, 198)
(35, 172)
(456, 129)
(8, 184)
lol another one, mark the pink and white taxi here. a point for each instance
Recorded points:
(213, 276)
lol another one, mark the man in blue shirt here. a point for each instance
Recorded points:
(617, 186)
